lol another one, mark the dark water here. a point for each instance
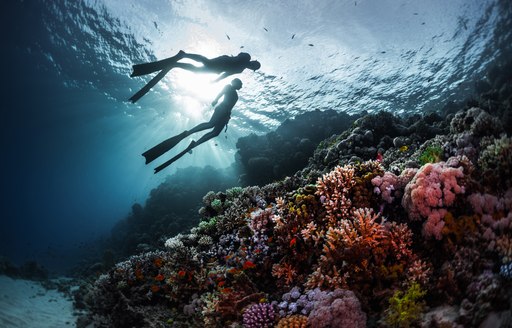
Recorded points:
(71, 143)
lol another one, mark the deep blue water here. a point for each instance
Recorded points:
(71, 143)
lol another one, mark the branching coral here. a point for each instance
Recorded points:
(259, 315)
(333, 189)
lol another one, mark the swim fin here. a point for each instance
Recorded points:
(149, 85)
(148, 68)
(175, 158)
(163, 147)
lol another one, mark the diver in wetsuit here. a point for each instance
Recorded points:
(223, 65)
(218, 121)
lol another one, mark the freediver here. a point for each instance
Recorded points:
(223, 65)
(218, 121)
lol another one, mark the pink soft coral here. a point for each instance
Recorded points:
(390, 186)
(431, 191)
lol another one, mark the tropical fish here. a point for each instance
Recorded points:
(248, 265)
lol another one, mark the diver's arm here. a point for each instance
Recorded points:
(223, 76)
(224, 90)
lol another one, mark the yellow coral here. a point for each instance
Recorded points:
(460, 227)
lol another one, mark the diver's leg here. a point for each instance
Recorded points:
(215, 132)
(190, 67)
(196, 57)
(201, 127)
(212, 134)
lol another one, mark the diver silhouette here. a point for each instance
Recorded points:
(218, 121)
(222, 65)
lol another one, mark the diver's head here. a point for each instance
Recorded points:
(244, 56)
(237, 84)
(254, 65)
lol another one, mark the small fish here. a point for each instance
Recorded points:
(221, 283)
(155, 288)
(311, 45)
(293, 241)
(226, 290)
(404, 148)
(248, 265)
(241, 47)
(379, 157)
(227, 36)
(265, 29)
(159, 277)
(182, 273)
(293, 36)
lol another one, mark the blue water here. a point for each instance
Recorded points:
(71, 143)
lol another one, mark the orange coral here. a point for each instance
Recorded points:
(285, 271)
(294, 321)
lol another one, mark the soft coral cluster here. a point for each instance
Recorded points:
(432, 190)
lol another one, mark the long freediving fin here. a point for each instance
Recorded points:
(148, 68)
(175, 158)
(149, 85)
(163, 147)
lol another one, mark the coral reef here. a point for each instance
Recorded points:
(395, 222)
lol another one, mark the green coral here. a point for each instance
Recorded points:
(207, 226)
(234, 192)
(405, 308)
(216, 204)
(431, 154)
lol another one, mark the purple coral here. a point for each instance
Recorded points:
(390, 186)
(339, 308)
(259, 315)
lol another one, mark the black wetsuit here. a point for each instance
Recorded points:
(222, 112)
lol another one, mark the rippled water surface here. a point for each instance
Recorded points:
(77, 141)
